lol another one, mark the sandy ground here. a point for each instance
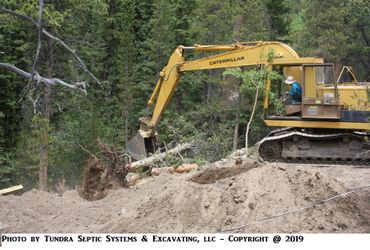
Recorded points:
(216, 198)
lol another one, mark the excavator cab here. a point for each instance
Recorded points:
(320, 98)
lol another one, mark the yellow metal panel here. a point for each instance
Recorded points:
(317, 124)
(247, 57)
(167, 87)
(244, 56)
(297, 61)
(294, 71)
(309, 82)
(352, 97)
(198, 47)
(355, 97)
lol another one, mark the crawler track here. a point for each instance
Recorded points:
(316, 147)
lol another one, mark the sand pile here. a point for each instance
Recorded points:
(206, 201)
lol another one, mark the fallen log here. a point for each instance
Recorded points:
(157, 171)
(146, 162)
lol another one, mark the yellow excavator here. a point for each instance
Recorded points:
(331, 123)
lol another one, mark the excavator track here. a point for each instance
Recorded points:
(315, 147)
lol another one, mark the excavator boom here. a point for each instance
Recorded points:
(234, 55)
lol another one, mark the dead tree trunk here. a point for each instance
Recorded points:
(46, 112)
(239, 20)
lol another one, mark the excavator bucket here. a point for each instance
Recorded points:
(136, 147)
(139, 147)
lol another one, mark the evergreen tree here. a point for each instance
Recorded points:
(335, 30)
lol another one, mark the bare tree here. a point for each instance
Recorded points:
(48, 82)
(56, 39)
(238, 23)
(253, 79)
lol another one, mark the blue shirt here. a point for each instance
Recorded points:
(296, 91)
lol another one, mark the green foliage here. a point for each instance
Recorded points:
(68, 158)
(210, 127)
(252, 21)
(337, 30)
(254, 79)
(278, 20)
(211, 22)
(8, 171)
(173, 160)
(277, 104)
(28, 150)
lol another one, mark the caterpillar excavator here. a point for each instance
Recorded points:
(330, 124)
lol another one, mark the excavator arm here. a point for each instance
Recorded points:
(233, 55)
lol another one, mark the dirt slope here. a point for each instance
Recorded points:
(210, 200)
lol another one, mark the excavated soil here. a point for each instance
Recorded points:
(213, 199)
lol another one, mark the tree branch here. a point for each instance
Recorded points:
(45, 32)
(35, 60)
(41, 3)
(37, 77)
(14, 13)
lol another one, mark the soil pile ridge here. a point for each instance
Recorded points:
(210, 200)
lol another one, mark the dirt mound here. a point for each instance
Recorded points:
(171, 203)
(185, 206)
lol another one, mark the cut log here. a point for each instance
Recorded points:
(159, 157)
(185, 168)
(11, 189)
(157, 171)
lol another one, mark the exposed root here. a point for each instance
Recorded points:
(108, 172)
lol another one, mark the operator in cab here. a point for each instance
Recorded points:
(295, 92)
